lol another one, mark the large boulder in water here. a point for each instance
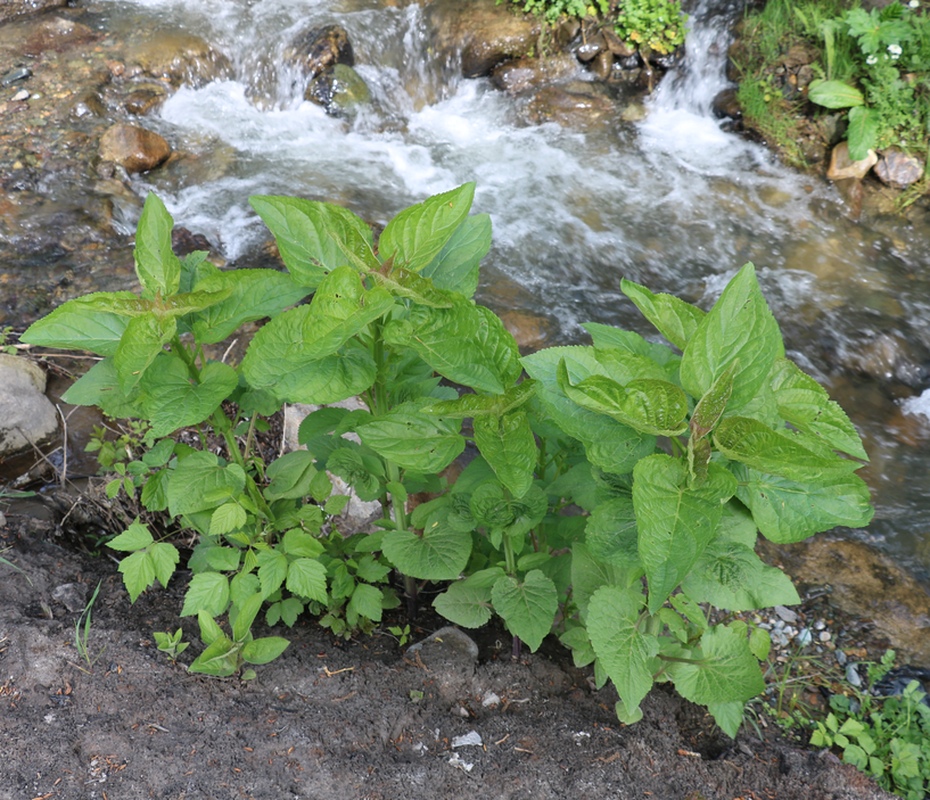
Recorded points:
(481, 33)
(181, 58)
(578, 105)
(319, 49)
(339, 90)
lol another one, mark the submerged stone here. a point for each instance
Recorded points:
(319, 49)
(339, 90)
(135, 149)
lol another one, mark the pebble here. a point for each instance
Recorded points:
(804, 637)
(490, 700)
(786, 614)
(825, 636)
(852, 675)
(21, 95)
(841, 658)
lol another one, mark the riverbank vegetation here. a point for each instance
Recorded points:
(615, 493)
(836, 71)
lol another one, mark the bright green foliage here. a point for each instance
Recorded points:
(676, 460)
(885, 737)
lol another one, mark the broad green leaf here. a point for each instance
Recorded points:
(84, 323)
(413, 440)
(135, 537)
(675, 319)
(834, 94)
(862, 133)
(611, 339)
(253, 295)
(653, 407)
(366, 601)
(306, 577)
(223, 559)
(143, 340)
(99, 386)
(589, 573)
(508, 445)
(611, 534)
(360, 470)
(575, 638)
(675, 521)
(286, 611)
(290, 476)
(468, 602)
(314, 238)
(467, 344)
(261, 651)
(728, 716)
(756, 445)
(610, 445)
(440, 554)
(138, 572)
(806, 405)
(172, 399)
(164, 558)
(528, 607)
(199, 483)
(243, 615)
(228, 517)
(483, 405)
(208, 591)
(295, 380)
(625, 652)
(789, 511)
(739, 328)
(218, 659)
(418, 234)
(272, 570)
(731, 576)
(298, 543)
(760, 643)
(209, 630)
(401, 282)
(457, 265)
(726, 672)
(157, 267)
(711, 406)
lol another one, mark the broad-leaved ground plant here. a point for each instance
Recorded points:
(615, 494)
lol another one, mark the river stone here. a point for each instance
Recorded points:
(56, 34)
(864, 584)
(180, 57)
(522, 74)
(339, 90)
(578, 107)
(482, 33)
(319, 49)
(135, 149)
(898, 169)
(842, 167)
(27, 417)
(10, 9)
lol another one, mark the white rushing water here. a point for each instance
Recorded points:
(672, 201)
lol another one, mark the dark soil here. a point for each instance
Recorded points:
(333, 719)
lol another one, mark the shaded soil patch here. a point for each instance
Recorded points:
(333, 719)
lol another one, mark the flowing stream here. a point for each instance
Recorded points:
(672, 201)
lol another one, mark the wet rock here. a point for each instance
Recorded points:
(145, 99)
(887, 356)
(57, 34)
(531, 331)
(579, 107)
(526, 73)
(843, 167)
(865, 584)
(588, 51)
(135, 149)
(179, 57)
(27, 417)
(481, 33)
(898, 169)
(339, 90)
(89, 104)
(726, 105)
(319, 49)
(10, 9)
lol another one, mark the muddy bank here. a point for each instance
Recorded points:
(332, 719)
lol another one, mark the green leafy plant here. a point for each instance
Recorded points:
(618, 489)
(170, 643)
(885, 737)
(651, 26)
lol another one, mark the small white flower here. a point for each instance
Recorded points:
(894, 50)
(871, 60)
(914, 4)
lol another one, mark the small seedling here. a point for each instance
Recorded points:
(82, 628)
(170, 644)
